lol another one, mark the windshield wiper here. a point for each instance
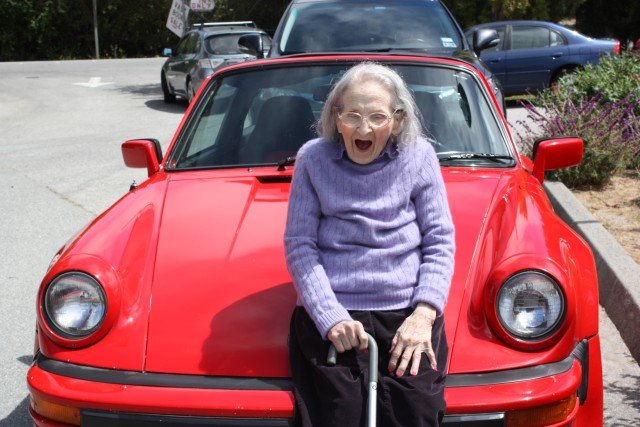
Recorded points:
(292, 52)
(498, 158)
(286, 162)
(397, 49)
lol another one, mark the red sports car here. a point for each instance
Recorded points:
(172, 307)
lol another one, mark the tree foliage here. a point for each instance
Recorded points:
(610, 18)
(472, 12)
(63, 29)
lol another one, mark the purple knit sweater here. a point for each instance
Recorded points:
(368, 237)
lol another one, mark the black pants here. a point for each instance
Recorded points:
(337, 395)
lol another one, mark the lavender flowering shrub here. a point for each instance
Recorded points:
(610, 130)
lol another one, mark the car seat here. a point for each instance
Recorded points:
(283, 124)
(444, 122)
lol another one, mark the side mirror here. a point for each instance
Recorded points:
(556, 153)
(252, 45)
(167, 51)
(142, 153)
(485, 38)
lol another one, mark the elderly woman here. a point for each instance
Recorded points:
(369, 245)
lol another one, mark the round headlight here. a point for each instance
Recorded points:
(74, 305)
(530, 305)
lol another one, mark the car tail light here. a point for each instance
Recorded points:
(540, 416)
(616, 47)
(210, 63)
(530, 305)
(64, 414)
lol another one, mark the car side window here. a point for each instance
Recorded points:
(266, 43)
(193, 43)
(189, 44)
(529, 37)
(556, 39)
(204, 138)
(183, 45)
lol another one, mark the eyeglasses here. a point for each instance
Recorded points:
(375, 120)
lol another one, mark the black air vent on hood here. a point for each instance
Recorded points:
(274, 179)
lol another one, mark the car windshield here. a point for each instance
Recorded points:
(364, 26)
(262, 117)
(226, 44)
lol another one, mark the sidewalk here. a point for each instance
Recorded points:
(618, 274)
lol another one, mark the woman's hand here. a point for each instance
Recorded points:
(348, 334)
(412, 339)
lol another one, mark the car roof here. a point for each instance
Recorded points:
(233, 31)
(226, 27)
(519, 22)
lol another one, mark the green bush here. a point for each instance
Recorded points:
(613, 79)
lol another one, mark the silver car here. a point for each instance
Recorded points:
(203, 49)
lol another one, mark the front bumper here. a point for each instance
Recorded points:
(121, 398)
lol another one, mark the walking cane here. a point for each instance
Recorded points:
(373, 377)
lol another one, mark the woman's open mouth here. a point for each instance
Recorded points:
(363, 144)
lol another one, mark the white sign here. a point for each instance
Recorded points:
(202, 5)
(178, 17)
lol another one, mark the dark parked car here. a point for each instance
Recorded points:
(532, 55)
(202, 50)
(417, 26)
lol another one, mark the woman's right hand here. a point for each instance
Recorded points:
(348, 334)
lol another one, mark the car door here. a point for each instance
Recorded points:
(535, 53)
(494, 57)
(178, 68)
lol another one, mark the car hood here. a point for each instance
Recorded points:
(222, 298)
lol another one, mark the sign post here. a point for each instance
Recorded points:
(95, 28)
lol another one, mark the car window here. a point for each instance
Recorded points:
(182, 46)
(529, 37)
(266, 43)
(556, 39)
(190, 44)
(338, 26)
(261, 117)
(197, 44)
(226, 44)
(205, 137)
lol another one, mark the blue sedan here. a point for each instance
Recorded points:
(533, 55)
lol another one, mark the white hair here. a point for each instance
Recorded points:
(402, 100)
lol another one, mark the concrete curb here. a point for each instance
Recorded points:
(618, 274)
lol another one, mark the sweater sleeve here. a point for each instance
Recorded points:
(437, 232)
(302, 254)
